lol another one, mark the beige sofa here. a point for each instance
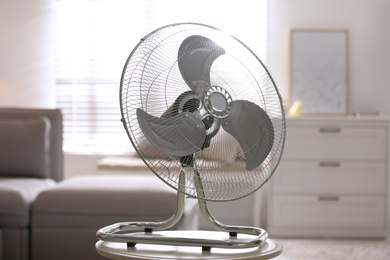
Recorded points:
(30, 162)
(45, 217)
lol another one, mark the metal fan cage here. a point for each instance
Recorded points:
(151, 80)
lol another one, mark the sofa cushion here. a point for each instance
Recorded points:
(24, 147)
(69, 215)
(16, 196)
(100, 200)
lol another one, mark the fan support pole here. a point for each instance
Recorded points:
(260, 234)
(130, 232)
(123, 231)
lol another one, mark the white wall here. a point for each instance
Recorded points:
(80, 164)
(26, 53)
(368, 23)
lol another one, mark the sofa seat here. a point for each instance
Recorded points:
(70, 214)
(16, 197)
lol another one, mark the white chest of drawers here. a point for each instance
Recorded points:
(332, 179)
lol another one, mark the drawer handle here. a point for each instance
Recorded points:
(333, 130)
(329, 164)
(328, 198)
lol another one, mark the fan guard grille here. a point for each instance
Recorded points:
(151, 80)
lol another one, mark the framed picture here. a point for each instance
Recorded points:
(319, 71)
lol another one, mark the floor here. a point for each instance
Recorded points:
(334, 249)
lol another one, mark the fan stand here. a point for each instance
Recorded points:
(129, 232)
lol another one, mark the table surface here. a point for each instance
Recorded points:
(120, 251)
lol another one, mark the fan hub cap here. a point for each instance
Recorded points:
(217, 101)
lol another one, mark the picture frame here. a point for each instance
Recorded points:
(319, 74)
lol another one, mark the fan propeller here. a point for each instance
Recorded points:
(195, 57)
(183, 131)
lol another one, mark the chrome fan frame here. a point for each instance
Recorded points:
(201, 113)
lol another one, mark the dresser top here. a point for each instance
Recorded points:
(348, 118)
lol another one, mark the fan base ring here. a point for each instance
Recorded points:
(270, 249)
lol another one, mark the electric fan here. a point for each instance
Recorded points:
(204, 114)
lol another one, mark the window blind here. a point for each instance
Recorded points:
(93, 39)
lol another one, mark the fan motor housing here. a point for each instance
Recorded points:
(217, 101)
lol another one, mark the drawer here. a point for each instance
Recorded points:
(328, 212)
(330, 177)
(336, 143)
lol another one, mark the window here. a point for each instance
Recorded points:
(93, 40)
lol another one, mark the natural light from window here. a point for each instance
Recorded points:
(93, 40)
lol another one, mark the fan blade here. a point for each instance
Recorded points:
(179, 135)
(253, 129)
(195, 57)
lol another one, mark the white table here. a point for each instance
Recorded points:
(120, 251)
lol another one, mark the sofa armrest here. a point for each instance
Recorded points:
(55, 135)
